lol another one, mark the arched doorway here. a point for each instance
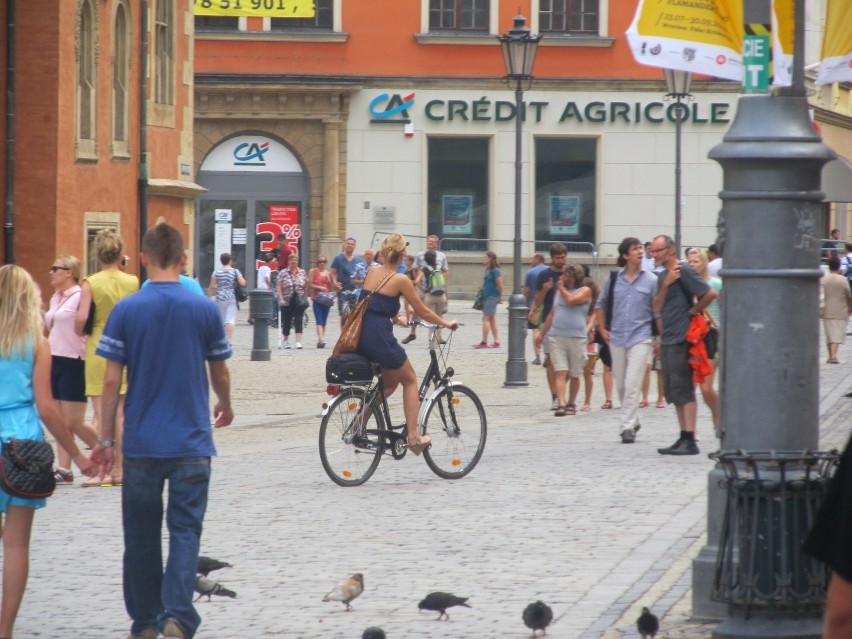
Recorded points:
(256, 189)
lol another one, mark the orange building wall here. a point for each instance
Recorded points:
(381, 43)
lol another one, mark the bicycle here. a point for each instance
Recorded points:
(356, 428)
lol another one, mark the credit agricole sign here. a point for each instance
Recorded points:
(395, 108)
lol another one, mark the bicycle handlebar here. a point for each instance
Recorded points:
(419, 322)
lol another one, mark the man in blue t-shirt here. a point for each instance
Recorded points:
(342, 269)
(163, 335)
(544, 290)
(537, 265)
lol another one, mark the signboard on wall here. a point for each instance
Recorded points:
(283, 219)
(251, 153)
(222, 238)
(257, 8)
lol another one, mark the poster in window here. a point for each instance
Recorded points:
(565, 214)
(458, 214)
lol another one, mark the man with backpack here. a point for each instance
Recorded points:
(420, 284)
(625, 321)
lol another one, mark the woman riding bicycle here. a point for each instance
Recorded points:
(377, 341)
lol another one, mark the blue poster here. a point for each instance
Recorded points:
(565, 214)
(458, 214)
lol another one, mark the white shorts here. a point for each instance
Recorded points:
(568, 354)
(228, 311)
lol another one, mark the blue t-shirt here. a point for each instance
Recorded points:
(531, 282)
(164, 335)
(188, 283)
(345, 269)
(489, 283)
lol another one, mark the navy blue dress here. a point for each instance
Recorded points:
(377, 341)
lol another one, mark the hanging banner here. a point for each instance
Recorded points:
(783, 23)
(703, 36)
(256, 8)
(836, 65)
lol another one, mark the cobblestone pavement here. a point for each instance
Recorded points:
(558, 509)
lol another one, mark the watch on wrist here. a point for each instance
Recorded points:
(106, 443)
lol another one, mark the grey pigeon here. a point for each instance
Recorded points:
(206, 586)
(374, 633)
(440, 601)
(647, 624)
(538, 616)
(206, 565)
(347, 590)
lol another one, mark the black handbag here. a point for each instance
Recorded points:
(479, 300)
(240, 292)
(348, 368)
(90, 320)
(26, 469)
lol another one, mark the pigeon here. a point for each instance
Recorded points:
(347, 590)
(206, 565)
(538, 616)
(440, 601)
(647, 624)
(374, 633)
(206, 586)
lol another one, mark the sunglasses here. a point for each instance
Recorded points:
(53, 269)
(322, 261)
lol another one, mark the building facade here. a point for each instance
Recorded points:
(82, 154)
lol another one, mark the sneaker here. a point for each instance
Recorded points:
(537, 361)
(298, 344)
(555, 404)
(481, 345)
(63, 476)
(320, 344)
(680, 447)
(148, 633)
(494, 345)
(172, 630)
(409, 338)
(628, 436)
(286, 344)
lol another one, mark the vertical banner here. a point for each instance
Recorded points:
(222, 237)
(699, 37)
(783, 27)
(836, 65)
(283, 219)
(256, 8)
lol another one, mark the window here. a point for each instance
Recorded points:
(471, 15)
(458, 192)
(323, 18)
(568, 16)
(120, 80)
(92, 223)
(565, 181)
(164, 53)
(86, 81)
(216, 23)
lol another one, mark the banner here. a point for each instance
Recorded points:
(836, 65)
(256, 8)
(783, 26)
(703, 36)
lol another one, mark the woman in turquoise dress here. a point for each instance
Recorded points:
(25, 397)
(377, 341)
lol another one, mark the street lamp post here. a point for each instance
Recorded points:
(677, 87)
(519, 49)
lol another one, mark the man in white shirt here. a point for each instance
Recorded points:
(264, 274)
(715, 263)
(419, 263)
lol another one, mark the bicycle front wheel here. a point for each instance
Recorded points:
(456, 423)
(350, 449)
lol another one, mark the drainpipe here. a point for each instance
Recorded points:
(143, 129)
(9, 225)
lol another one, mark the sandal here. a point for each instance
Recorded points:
(661, 404)
(561, 411)
(95, 482)
(420, 443)
(643, 404)
(571, 409)
(607, 405)
(586, 408)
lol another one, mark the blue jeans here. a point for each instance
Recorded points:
(152, 595)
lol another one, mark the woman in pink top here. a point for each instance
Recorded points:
(318, 280)
(68, 351)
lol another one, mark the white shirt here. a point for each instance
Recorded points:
(714, 266)
(263, 275)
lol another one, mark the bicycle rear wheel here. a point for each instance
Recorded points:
(349, 450)
(456, 423)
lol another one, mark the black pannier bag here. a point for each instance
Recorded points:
(348, 368)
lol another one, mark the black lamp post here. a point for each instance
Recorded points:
(677, 87)
(519, 49)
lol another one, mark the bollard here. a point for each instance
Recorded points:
(260, 310)
(516, 365)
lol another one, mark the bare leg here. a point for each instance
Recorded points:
(74, 413)
(16, 564)
(492, 321)
(410, 399)
(838, 609)
(573, 390)
(229, 331)
(607, 383)
(589, 381)
(484, 329)
(711, 398)
(560, 377)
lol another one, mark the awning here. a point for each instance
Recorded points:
(837, 180)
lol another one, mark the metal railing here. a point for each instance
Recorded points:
(772, 501)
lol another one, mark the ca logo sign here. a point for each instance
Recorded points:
(385, 108)
(250, 154)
